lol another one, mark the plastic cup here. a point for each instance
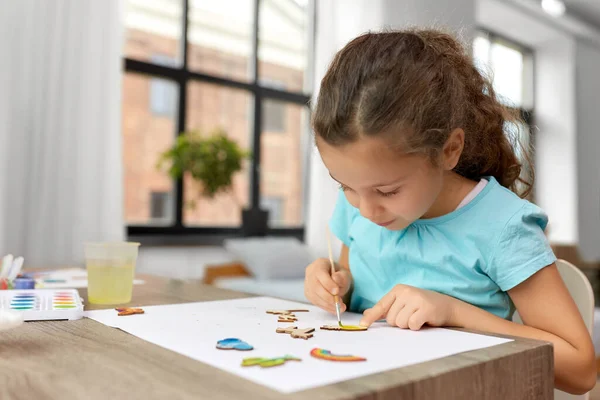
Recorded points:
(110, 268)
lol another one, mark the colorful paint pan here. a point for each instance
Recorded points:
(43, 304)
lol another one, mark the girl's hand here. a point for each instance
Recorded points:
(410, 308)
(320, 286)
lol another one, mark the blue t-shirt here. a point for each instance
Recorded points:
(475, 254)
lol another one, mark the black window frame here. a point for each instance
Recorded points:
(178, 233)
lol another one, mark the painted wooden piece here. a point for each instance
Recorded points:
(129, 311)
(233, 344)
(349, 328)
(327, 355)
(268, 362)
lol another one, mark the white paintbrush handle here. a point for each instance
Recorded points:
(15, 269)
(6, 264)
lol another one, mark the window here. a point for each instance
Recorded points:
(237, 65)
(159, 205)
(510, 67)
(275, 207)
(163, 94)
(274, 116)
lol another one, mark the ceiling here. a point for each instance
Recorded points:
(586, 10)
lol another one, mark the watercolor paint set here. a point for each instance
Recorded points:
(43, 304)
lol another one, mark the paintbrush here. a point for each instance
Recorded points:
(7, 261)
(336, 298)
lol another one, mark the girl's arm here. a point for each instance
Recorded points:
(550, 314)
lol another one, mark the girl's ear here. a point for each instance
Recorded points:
(453, 149)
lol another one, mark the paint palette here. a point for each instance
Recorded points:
(40, 304)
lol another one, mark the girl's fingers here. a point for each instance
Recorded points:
(327, 282)
(394, 311)
(379, 310)
(404, 315)
(417, 320)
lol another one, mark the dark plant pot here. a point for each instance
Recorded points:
(255, 222)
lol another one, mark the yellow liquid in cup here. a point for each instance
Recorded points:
(110, 282)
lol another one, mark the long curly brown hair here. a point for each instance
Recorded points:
(415, 87)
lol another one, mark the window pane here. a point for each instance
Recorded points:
(283, 154)
(481, 53)
(283, 43)
(153, 27)
(220, 37)
(507, 64)
(213, 107)
(149, 121)
(274, 116)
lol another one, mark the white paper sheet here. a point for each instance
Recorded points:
(66, 278)
(193, 329)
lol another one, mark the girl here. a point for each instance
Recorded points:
(433, 232)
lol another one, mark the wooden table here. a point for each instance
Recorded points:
(87, 360)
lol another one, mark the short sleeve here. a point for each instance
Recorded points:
(522, 249)
(342, 218)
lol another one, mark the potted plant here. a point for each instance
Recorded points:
(212, 161)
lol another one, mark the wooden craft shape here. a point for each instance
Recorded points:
(327, 355)
(287, 318)
(268, 362)
(293, 331)
(284, 312)
(129, 311)
(349, 328)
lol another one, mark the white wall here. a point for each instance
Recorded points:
(556, 153)
(4, 135)
(456, 15)
(587, 84)
(337, 23)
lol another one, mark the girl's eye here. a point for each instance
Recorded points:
(388, 194)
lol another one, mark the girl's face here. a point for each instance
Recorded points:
(390, 189)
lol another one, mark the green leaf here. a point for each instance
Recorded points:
(211, 161)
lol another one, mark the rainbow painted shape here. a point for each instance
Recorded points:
(268, 362)
(326, 355)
